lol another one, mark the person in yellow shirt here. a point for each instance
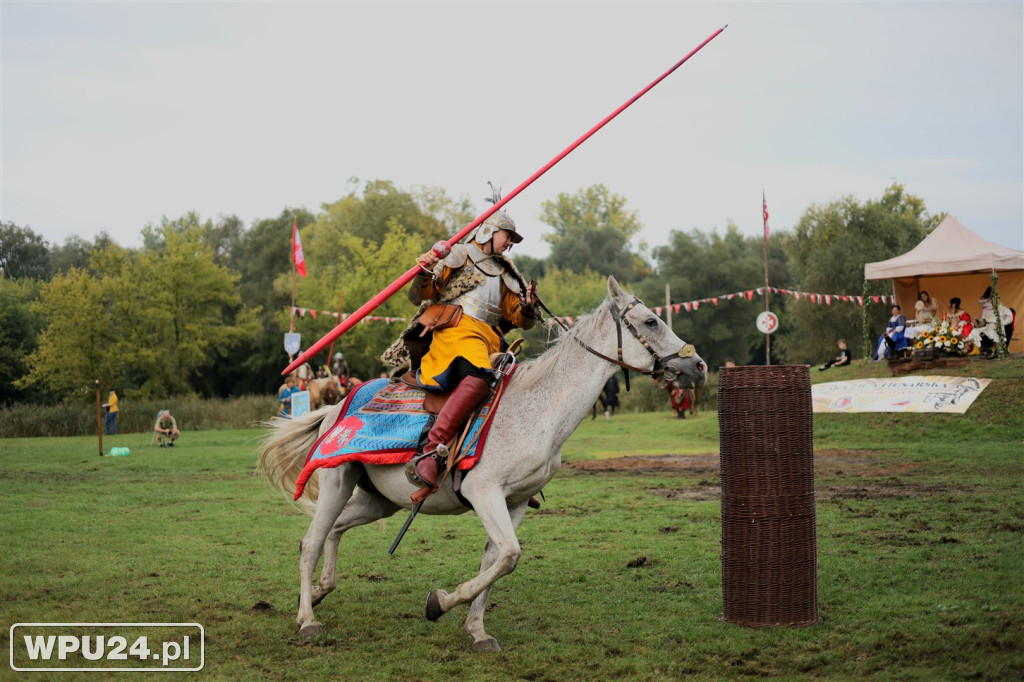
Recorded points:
(492, 297)
(110, 422)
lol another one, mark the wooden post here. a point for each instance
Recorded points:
(99, 417)
(341, 303)
(668, 306)
(767, 337)
(291, 313)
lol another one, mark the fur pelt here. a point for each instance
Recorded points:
(463, 280)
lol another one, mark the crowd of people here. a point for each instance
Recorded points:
(981, 334)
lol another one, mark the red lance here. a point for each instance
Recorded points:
(368, 307)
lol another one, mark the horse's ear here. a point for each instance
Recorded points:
(614, 290)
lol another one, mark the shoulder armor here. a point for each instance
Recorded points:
(512, 277)
(511, 283)
(457, 257)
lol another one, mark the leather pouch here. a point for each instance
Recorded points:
(440, 316)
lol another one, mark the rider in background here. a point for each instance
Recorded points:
(284, 397)
(339, 368)
(493, 297)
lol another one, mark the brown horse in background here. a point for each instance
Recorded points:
(323, 391)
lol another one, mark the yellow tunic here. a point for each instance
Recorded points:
(472, 339)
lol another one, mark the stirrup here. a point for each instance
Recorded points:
(440, 455)
(410, 469)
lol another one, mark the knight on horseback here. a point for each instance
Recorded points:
(468, 300)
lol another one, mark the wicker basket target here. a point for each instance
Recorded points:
(769, 544)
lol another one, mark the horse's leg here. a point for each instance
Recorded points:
(362, 508)
(475, 621)
(336, 487)
(501, 535)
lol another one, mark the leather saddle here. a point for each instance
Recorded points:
(434, 400)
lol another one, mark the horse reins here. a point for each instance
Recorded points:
(687, 351)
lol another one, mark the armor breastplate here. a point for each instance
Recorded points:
(484, 302)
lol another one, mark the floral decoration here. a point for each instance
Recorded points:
(942, 338)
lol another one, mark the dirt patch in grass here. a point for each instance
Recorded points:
(707, 462)
(885, 490)
(866, 464)
(826, 463)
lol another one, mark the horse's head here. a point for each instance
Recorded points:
(655, 347)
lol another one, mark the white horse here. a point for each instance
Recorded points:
(544, 402)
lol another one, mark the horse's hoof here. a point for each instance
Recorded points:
(486, 645)
(311, 629)
(434, 610)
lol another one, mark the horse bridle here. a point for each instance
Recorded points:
(661, 368)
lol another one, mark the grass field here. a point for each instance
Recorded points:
(920, 557)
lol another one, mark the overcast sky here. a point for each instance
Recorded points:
(117, 114)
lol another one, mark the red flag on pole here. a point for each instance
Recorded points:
(764, 204)
(297, 257)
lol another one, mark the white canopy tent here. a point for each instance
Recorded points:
(953, 261)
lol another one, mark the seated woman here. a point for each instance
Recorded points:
(958, 319)
(926, 308)
(893, 338)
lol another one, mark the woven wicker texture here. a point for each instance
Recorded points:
(769, 542)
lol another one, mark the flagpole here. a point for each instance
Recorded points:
(767, 337)
(341, 302)
(291, 257)
(395, 286)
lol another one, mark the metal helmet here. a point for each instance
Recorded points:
(338, 356)
(499, 221)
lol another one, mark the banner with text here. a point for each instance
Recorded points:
(898, 394)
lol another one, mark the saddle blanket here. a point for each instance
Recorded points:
(381, 422)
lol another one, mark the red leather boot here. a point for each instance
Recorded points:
(460, 404)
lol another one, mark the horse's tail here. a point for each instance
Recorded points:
(284, 454)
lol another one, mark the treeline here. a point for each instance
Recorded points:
(200, 309)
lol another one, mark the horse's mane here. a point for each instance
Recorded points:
(531, 372)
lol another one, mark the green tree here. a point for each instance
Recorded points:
(73, 253)
(530, 267)
(79, 343)
(567, 294)
(697, 265)
(262, 256)
(592, 230)
(434, 202)
(828, 251)
(368, 268)
(358, 246)
(371, 212)
(19, 328)
(23, 253)
(222, 236)
(178, 311)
